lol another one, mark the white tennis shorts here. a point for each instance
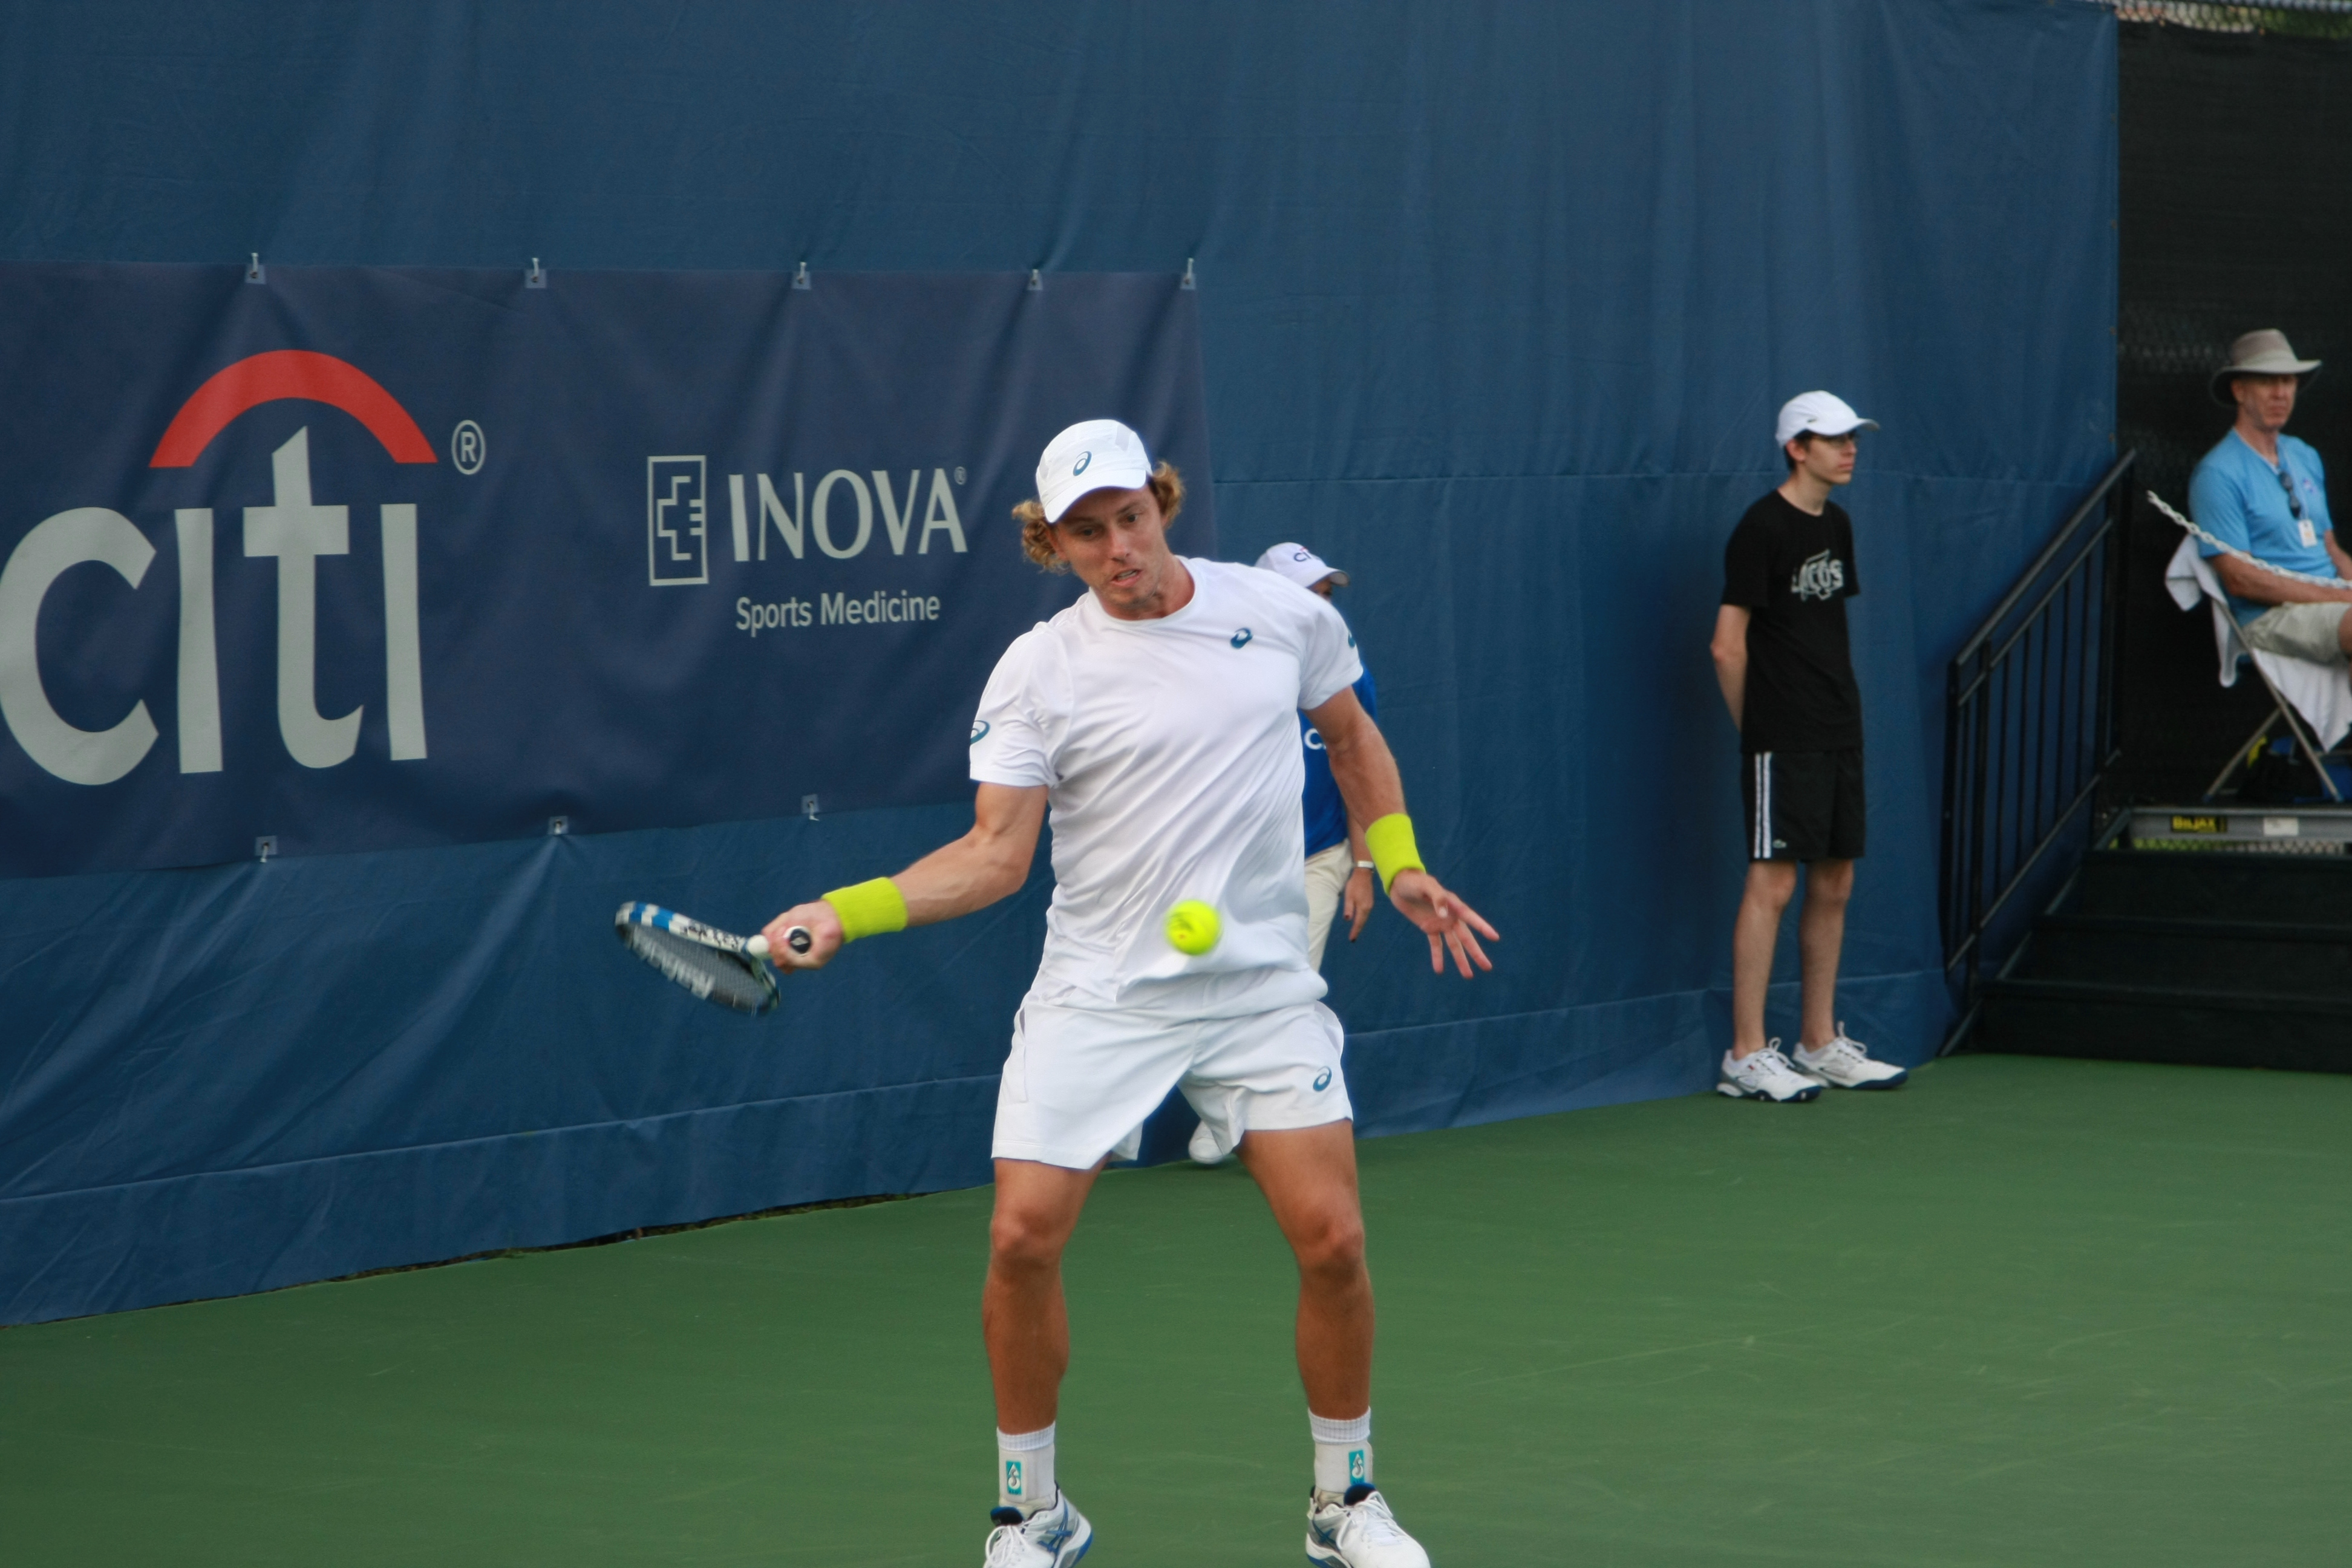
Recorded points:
(1079, 1081)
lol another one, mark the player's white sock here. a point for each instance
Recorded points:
(1024, 1470)
(1343, 1452)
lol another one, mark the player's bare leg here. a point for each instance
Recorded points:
(1820, 934)
(1021, 1314)
(1753, 937)
(1308, 1176)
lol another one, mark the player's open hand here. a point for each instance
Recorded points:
(820, 920)
(1451, 925)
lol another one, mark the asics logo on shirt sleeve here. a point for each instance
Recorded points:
(1322, 1080)
(1240, 638)
(979, 729)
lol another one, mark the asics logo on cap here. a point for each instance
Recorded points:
(1242, 637)
(1080, 465)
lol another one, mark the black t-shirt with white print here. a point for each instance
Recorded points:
(1794, 573)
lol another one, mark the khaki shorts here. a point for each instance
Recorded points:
(2299, 631)
(1327, 871)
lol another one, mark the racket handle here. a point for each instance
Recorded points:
(797, 939)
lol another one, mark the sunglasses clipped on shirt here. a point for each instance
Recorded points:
(2294, 502)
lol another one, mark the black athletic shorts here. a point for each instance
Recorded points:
(1803, 805)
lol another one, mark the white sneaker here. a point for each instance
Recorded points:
(1843, 1064)
(1356, 1529)
(1053, 1537)
(1204, 1148)
(1765, 1075)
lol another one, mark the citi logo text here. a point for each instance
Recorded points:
(294, 529)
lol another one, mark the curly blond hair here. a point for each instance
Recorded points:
(1167, 488)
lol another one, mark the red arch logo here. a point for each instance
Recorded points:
(290, 372)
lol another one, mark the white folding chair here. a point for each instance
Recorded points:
(2302, 694)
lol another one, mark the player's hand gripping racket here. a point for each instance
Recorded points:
(716, 965)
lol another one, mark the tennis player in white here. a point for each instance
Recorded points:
(1157, 717)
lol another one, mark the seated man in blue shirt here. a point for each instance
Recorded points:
(2263, 494)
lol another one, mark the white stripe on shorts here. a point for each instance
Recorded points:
(1761, 849)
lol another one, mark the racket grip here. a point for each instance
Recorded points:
(797, 939)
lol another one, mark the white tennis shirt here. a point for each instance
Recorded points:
(1169, 749)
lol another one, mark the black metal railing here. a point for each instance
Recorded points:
(2029, 727)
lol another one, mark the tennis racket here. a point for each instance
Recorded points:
(716, 965)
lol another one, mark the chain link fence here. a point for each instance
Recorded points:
(2302, 18)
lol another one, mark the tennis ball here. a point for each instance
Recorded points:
(1193, 927)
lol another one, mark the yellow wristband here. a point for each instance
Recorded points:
(869, 909)
(1393, 852)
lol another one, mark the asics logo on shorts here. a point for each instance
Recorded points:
(979, 729)
(1322, 1080)
(1242, 637)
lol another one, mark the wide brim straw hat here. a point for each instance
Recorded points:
(2265, 352)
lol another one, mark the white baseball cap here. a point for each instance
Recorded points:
(1301, 565)
(1093, 455)
(1820, 412)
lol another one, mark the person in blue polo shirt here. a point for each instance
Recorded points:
(1339, 865)
(2263, 494)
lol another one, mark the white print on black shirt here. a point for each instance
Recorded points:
(1823, 576)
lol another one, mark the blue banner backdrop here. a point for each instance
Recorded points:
(366, 559)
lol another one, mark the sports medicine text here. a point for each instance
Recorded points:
(877, 608)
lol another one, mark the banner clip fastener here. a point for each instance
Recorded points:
(808, 807)
(1187, 283)
(1036, 282)
(535, 278)
(254, 272)
(557, 826)
(800, 278)
(265, 847)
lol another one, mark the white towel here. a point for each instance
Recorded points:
(2322, 693)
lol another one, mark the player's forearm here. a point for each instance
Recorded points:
(1357, 850)
(1366, 771)
(970, 874)
(1731, 673)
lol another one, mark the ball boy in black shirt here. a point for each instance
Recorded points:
(1782, 656)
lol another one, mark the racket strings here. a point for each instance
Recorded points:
(711, 974)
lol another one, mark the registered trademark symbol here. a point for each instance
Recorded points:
(468, 447)
(959, 475)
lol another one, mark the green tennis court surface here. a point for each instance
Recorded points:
(2023, 1311)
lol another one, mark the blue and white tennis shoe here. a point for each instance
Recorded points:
(1765, 1075)
(1843, 1064)
(1356, 1529)
(1053, 1537)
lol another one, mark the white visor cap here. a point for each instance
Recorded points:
(1300, 564)
(1819, 413)
(1094, 455)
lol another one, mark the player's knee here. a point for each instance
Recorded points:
(1771, 883)
(1020, 1238)
(1829, 881)
(1331, 1248)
